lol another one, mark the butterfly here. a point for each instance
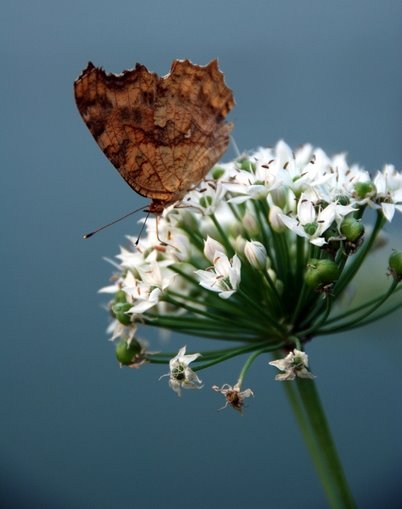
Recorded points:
(162, 134)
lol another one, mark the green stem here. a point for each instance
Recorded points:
(352, 311)
(248, 364)
(316, 433)
(357, 321)
(234, 353)
(321, 320)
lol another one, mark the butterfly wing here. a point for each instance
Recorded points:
(162, 134)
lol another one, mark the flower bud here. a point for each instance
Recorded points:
(210, 246)
(238, 244)
(205, 201)
(120, 296)
(256, 254)
(272, 274)
(217, 172)
(126, 351)
(250, 223)
(320, 273)
(395, 265)
(279, 286)
(119, 311)
(247, 165)
(280, 197)
(275, 220)
(352, 228)
(364, 189)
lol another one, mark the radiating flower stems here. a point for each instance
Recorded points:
(249, 362)
(314, 426)
(358, 321)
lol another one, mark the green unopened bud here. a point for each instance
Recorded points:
(279, 286)
(320, 273)
(126, 351)
(247, 165)
(120, 296)
(119, 311)
(205, 201)
(217, 172)
(272, 275)
(395, 264)
(256, 254)
(364, 189)
(352, 228)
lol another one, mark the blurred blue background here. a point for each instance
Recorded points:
(77, 431)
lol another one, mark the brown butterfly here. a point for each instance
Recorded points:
(163, 134)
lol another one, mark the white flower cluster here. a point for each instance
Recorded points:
(305, 193)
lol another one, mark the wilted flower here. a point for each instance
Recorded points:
(234, 397)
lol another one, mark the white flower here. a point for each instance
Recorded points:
(309, 224)
(389, 191)
(234, 397)
(181, 376)
(224, 277)
(294, 364)
(206, 199)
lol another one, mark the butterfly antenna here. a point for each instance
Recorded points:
(91, 234)
(142, 228)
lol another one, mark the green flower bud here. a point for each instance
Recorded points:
(217, 172)
(247, 165)
(126, 351)
(352, 228)
(205, 201)
(365, 189)
(395, 264)
(120, 296)
(119, 312)
(320, 273)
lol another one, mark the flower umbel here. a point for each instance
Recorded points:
(259, 257)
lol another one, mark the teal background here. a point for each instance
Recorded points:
(76, 431)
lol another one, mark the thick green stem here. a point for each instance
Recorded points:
(316, 433)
